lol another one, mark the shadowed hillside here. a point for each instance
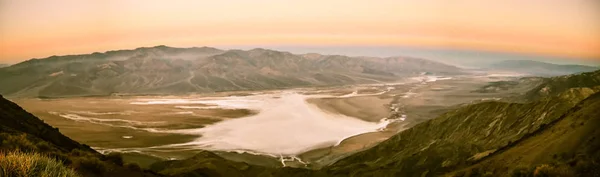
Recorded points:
(568, 146)
(22, 132)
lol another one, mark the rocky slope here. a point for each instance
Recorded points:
(556, 85)
(568, 146)
(167, 70)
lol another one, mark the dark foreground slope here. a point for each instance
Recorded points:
(569, 146)
(21, 131)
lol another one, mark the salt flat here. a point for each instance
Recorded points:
(312, 125)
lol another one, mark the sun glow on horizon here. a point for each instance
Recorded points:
(553, 27)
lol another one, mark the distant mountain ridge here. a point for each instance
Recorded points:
(541, 68)
(168, 70)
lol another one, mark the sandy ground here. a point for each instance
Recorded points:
(368, 108)
(114, 122)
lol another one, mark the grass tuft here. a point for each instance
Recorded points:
(23, 164)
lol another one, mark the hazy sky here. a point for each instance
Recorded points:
(40, 28)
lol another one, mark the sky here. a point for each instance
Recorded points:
(559, 28)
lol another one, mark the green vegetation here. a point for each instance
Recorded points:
(21, 164)
(80, 160)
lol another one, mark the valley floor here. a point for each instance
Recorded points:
(309, 127)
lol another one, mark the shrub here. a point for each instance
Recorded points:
(19, 164)
(115, 158)
(61, 157)
(460, 174)
(43, 146)
(133, 166)
(474, 172)
(546, 170)
(488, 174)
(20, 142)
(77, 152)
(521, 172)
(89, 164)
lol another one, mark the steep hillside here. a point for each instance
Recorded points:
(458, 137)
(16, 120)
(568, 146)
(22, 132)
(540, 68)
(467, 134)
(520, 84)
(559, 84)
(167, 70)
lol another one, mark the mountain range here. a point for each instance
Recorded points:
(168, 70)
(540, 68)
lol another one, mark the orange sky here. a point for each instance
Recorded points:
(40, 28)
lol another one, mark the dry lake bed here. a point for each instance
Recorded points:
(308, 127)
